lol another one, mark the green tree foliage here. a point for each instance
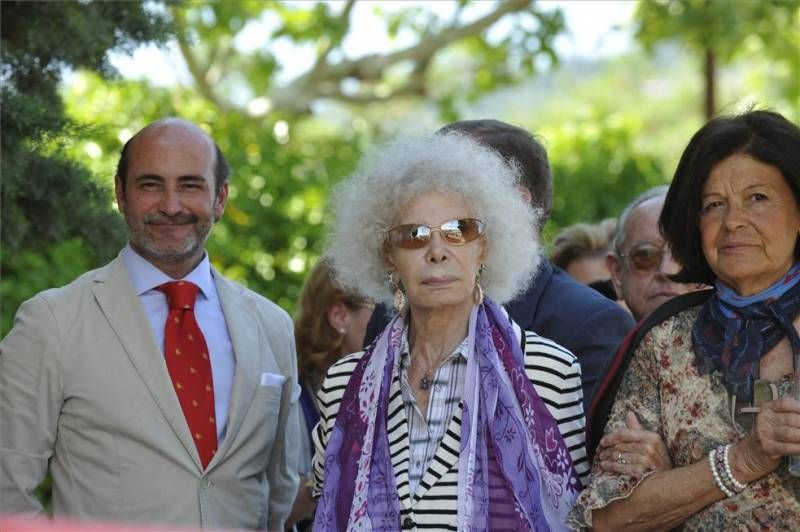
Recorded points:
(598, 165)
(290, 138)
(719, 30)
(53, 208)
(225, 74)
(286, 157)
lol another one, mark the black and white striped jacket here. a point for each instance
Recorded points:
(556, 376)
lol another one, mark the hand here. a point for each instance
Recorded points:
(304, 504)
(641, 450)
(775, 434)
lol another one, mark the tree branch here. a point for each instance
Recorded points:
(297, 96)
(344, 25)
(198, 72)
(410, 89)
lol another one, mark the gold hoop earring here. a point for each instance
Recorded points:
(477, 293)
(396, 286)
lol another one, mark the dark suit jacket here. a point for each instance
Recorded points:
(559, 308)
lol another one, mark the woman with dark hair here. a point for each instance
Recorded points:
(330, 323)
(714, 379)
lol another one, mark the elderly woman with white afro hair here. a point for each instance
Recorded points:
(454, 418)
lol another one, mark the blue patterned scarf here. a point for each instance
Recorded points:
(514, 467)
(732, 332)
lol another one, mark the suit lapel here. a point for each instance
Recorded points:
(246, 340)
(119, 303)
(446, 456)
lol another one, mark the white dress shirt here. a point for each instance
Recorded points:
(145, 278)
(425, 432)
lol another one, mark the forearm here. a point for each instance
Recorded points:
(30, 399)
(662, 501)
(303, 506)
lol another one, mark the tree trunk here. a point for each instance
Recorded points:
(710, 76)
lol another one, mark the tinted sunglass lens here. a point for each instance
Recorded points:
(415, 236)
(422, 233)
(452, 232)
(472, 229)
(410, 236)
(469, 229)
(646, 259)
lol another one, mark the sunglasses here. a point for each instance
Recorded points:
(455, 232)
(645, 257)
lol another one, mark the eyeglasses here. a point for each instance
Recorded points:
(455, 232)
(646, 257)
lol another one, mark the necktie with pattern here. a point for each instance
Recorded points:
(189, 367)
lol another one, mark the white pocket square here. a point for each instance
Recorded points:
(272, 379)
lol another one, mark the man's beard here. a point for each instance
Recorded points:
(148, 246)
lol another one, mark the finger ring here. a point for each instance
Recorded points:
(621, 459)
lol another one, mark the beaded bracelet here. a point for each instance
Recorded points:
(719, 464)
(712, 461)
(738, 487)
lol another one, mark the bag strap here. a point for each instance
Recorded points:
(614, 371)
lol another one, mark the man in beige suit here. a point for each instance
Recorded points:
(137, 419)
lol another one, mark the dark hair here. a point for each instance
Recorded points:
(766, 136)
(517, 145)
(221, 169)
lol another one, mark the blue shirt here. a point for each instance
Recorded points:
(145, 277)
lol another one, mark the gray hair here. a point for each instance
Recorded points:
(366, 205)
(621, 234)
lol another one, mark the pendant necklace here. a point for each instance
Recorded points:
(425, 381)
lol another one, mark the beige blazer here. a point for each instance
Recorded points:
(84, 390)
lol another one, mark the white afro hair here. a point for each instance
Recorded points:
(366, 204)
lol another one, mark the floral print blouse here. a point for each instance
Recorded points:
(691, 412)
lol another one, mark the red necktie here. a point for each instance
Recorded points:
(189, 367)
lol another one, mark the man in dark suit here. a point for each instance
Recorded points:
(554, 305)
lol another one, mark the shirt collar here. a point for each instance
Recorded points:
(145, 276)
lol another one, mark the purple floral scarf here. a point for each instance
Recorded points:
(514, 467)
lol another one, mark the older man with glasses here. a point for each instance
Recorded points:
(640, 263)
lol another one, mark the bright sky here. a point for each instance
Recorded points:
(595, 28)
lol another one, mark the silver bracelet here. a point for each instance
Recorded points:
(712, 461)
(738, 487)
(719, 462)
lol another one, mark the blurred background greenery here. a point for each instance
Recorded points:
(294, 91)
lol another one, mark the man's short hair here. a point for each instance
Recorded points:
(621, 234)
(517, 145)
(222, 170)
